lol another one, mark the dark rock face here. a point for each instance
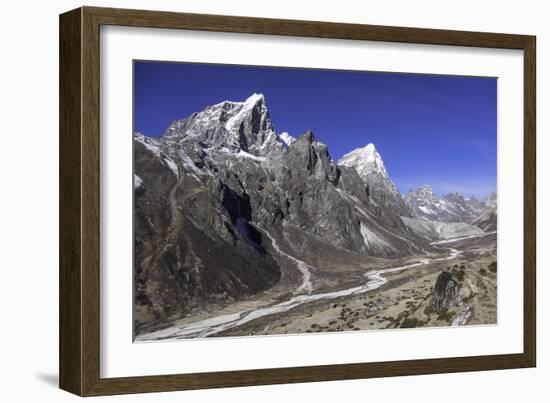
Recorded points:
(306, 186)
(194, 244)
(446, 292)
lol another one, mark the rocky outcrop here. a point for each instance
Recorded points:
(445, 292)
(450, 290)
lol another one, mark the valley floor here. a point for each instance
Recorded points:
(394, 295)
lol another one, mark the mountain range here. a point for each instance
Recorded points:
(223, 203)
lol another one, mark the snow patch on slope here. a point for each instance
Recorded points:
(300, 265)
(244, 154)
(372, 240)
(188, 163)
(173, 167)
(138, 182)
(233, 123)
(287, 139)
(148, 143)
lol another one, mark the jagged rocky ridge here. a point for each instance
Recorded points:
(213, 190)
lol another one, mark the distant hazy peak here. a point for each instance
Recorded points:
(423, 189)
(491, 200)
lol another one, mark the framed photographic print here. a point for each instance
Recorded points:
(249, 201)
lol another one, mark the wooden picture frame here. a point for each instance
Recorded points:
(79, 346)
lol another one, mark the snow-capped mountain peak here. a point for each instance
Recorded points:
(287, 139)
(248, 103)
(230, 125)
(369, 148)
(368, 163)
(254, 99)
(242, 110)
(366, 160)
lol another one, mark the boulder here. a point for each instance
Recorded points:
(447, 292)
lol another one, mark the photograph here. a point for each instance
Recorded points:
(273, 200)
(244, 201)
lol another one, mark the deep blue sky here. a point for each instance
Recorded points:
(436, 130)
